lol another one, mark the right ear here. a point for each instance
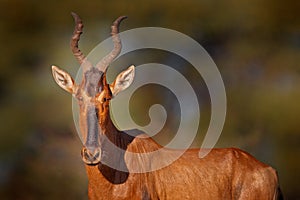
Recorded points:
(64, 80)
(123, 81)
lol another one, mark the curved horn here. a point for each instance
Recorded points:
(75, 39)
(103, 64)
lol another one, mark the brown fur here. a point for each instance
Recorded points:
(223, 174)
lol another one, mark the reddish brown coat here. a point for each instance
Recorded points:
(223, 174)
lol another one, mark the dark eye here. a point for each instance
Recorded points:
(104, 99)
(80, 98)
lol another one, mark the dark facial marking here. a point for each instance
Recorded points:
(93, 83)
(92, 125)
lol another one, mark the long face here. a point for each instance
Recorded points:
(93, 93)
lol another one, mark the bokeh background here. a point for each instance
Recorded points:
(256, 46)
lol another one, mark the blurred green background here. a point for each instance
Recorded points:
(256, 46)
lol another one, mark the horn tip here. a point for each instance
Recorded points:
(75, 16)
(119, 19)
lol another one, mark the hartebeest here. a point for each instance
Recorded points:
(227, 173)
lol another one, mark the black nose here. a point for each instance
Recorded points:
(91, 156)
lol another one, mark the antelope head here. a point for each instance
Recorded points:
(93, 93)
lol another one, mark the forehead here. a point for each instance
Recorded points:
(93, 81)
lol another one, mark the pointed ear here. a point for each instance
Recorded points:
(123, 81)
(64, 80)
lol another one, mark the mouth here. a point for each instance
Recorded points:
(91, 156)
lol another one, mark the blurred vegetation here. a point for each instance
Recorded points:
(256, 46)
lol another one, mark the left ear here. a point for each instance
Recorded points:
(123, 81)
(64, 80)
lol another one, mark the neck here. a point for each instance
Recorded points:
(115, 136)
(113, 145)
